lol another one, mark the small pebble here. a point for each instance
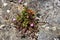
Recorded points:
(2, 26)
(12, 24)
(8, 11)
(47, 28)
(34, 39)
(53, 28)
(56, 39)
(50, 7)
(36, 34)
(5, 4)
(25, 4)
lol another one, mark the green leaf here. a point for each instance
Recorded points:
(18, 18)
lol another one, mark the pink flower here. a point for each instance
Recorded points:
(20, 1)
(14, 19)
(31, 24)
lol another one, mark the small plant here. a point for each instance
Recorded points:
(26, 21)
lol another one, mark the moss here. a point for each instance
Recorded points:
(26, 18)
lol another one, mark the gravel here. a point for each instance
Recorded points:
(48, 11)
